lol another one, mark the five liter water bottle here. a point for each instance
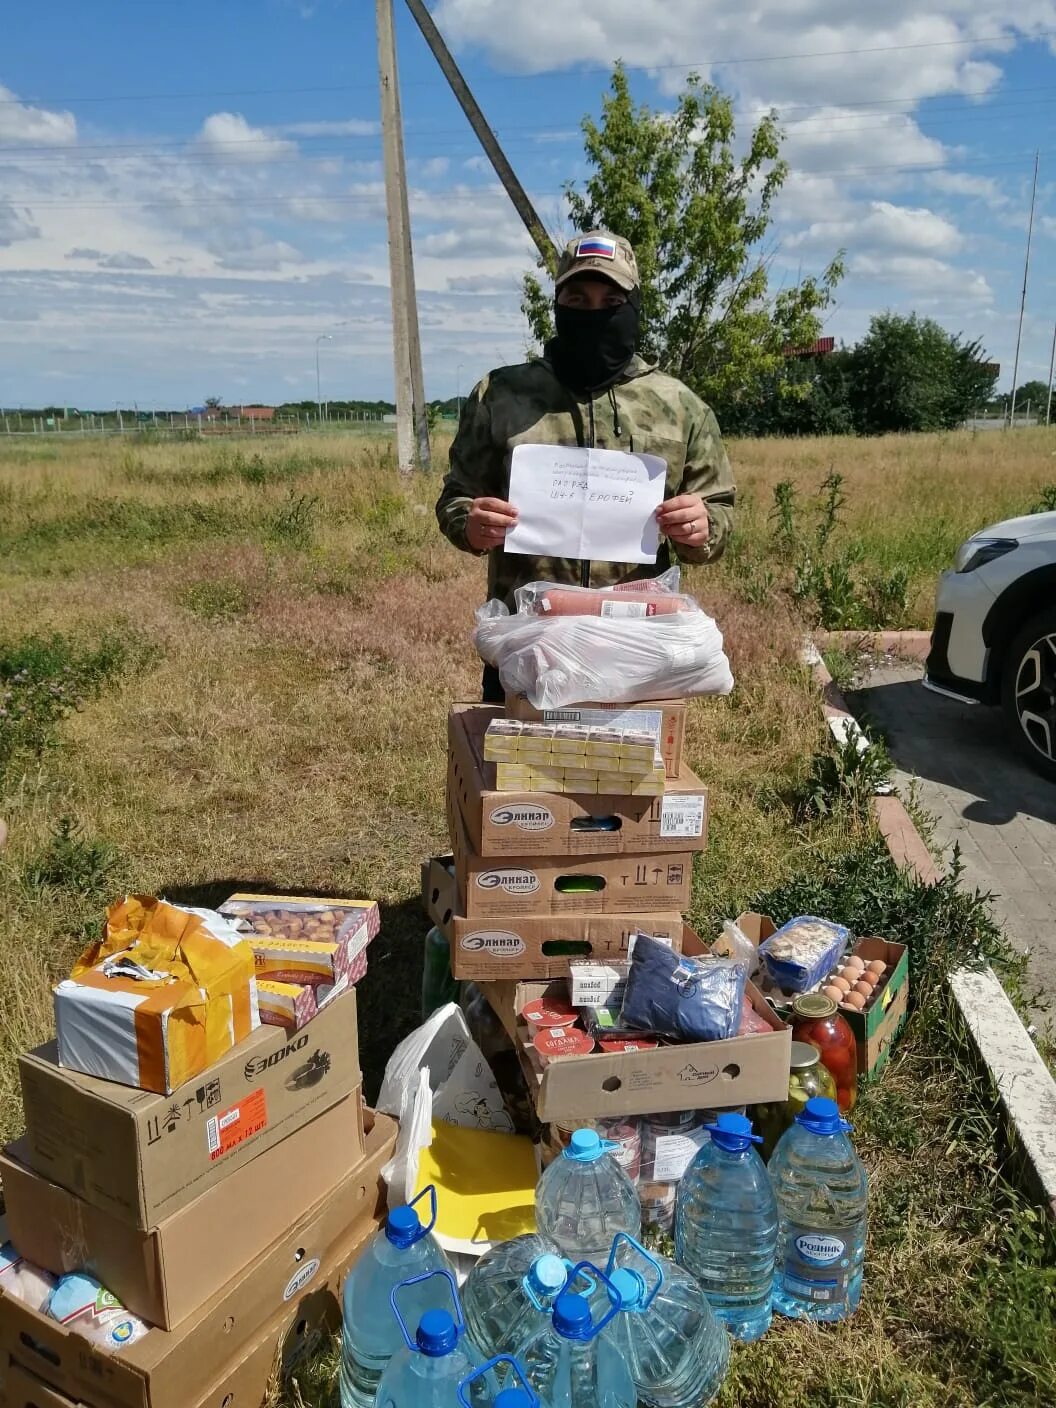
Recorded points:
(426, 1373)
(822, 1197)
(675, 1349)
(519, 1395)
(584, 1198)
(510, 1292)
(370, 1335)
(570, 1363)
(726, 1227)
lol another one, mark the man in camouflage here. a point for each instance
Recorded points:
(589, 389)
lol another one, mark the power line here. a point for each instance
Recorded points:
(573, 71)
(188, 151)
(474, 195)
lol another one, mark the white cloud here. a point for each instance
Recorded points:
(964, 183)
(229, 134)
(350, 127)
(22, 124)
(930, 282)
(15, 224)
(883, 226)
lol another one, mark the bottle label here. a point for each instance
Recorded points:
(817, 1266)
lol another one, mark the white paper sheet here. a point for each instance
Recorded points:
(594, 504)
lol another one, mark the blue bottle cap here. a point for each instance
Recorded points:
(572, 1317)
(402, 1227)
(733, 1133)
(585, 1146)
(547, 1274)
(629, 1286)
(513, 1398)
(436, 1335)
(822, 1116)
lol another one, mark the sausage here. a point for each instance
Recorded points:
(577, 601)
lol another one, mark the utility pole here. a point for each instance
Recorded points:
(516, 192)
(1052, 368)
(1023, 300)
(412, 423)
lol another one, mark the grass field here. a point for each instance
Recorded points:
(263, 643)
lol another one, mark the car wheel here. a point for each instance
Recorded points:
(1028, 691)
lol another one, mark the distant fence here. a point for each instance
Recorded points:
(179, 425)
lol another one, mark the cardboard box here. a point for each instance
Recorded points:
(666, 718)
(876, 1028)
(164, 1275)
(144, 1156)
(559, 824)
(621, 884)
(744, 1070)
(296, 1280)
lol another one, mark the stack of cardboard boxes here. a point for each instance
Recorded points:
(225, 1214)
(538, 880)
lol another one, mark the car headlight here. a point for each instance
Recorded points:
(977, 552)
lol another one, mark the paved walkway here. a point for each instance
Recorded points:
(981, 795)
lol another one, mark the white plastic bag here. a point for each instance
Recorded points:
(566, 660)
(438, 1072)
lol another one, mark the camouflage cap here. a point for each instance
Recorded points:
(601, 253)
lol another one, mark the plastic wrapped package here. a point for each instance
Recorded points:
(85, 1305)
(23, 1279)
(685, 999)
(803, 951)
(564, 660)
(655, 596)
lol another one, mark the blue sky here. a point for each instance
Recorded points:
(188, 202)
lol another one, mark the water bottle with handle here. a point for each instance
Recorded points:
(370, 1335)
(822, 1197)
(726, 1227)
(518, 1394)
(675, 1349)
(584, 1198)
(427, 1371)
(511, 1291)
(570, 1363)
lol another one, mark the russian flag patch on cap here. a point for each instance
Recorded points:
(596, 247)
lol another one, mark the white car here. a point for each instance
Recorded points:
(994, 640)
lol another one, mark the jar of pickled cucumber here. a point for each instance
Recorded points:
(807, 1077)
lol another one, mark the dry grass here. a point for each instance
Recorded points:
(299, 631)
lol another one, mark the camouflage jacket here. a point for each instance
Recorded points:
(646, 412)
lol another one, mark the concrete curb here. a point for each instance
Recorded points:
(1024, 1083)
(909, 645)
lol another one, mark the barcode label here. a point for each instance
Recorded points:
(212, 1135)
(682, 816)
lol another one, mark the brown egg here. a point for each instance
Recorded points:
(877, 966)
(855, 1001)
(837, 994)
(841, 984)
(864, 990)
(854, 965)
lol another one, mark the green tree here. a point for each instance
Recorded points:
(697, 214)
(909, 374)
(1034, 393)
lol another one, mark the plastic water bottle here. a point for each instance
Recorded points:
(427, 1371)
(584, 1198)
(675, 1349)
(570, 1363)
(726, 1227)
(822, 1197)
(511, 1291)
(519, 1394)
(370, 1334)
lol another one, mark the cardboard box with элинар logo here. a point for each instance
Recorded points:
(144, 1156)
(563, 824)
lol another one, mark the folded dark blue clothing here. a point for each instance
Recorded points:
(685, 999)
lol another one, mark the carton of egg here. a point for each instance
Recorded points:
(855, 983)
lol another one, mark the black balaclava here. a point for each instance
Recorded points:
(594, 347)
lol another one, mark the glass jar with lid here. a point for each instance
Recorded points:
(815, 1018)
(807, 1077)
